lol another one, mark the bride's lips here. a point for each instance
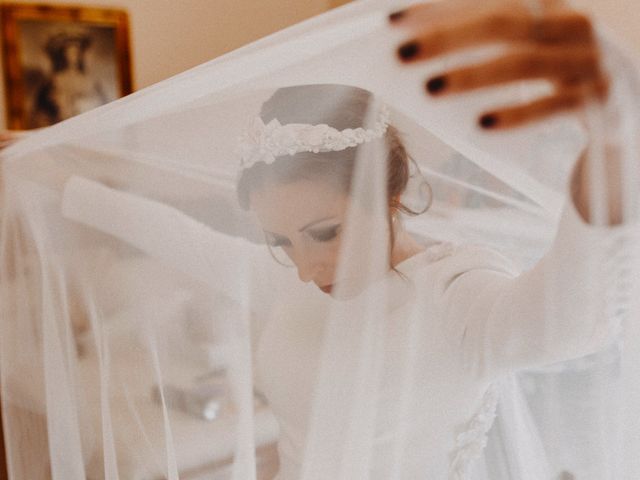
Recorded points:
(326, 288)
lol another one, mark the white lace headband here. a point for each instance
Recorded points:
(263, 143)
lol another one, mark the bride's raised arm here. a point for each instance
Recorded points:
(565, 307)
(221, 261)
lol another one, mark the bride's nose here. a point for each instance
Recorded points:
(308, 267)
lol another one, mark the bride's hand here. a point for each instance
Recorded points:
(547, 40)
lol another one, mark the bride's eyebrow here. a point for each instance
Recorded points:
(308, 225)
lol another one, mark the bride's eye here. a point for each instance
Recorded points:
(325, 234)
(277, 241)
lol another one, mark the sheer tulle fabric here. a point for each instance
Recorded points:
(148, 333)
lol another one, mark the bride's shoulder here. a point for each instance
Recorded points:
(456, 259)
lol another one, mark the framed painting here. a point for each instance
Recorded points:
(60, 61)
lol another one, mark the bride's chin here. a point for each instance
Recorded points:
(342, 291)
(337, 292)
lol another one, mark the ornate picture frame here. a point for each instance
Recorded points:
(60, 61)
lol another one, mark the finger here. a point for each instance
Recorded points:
(425, 14)
(559, 27)
(549, 4)
(570, 65)
(598, 88)
(429, 13)
(566, 99)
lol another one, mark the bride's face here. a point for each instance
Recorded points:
(305, 219)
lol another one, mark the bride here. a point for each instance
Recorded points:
(381, 353)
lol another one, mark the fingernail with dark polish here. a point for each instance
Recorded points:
(488, 120)
(396, 16)
(408, 50)
(436, 84)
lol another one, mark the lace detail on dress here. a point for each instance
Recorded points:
(471, 442)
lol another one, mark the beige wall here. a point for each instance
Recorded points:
(170, 36)
(620, 16)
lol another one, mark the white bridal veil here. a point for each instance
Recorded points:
(151, 328)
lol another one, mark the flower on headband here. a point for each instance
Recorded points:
(253, 146)
(264, 143)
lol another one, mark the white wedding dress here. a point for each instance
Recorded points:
(130, 273)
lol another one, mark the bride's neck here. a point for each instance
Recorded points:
(404, 247)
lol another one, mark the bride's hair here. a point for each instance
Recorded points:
(340, 107)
